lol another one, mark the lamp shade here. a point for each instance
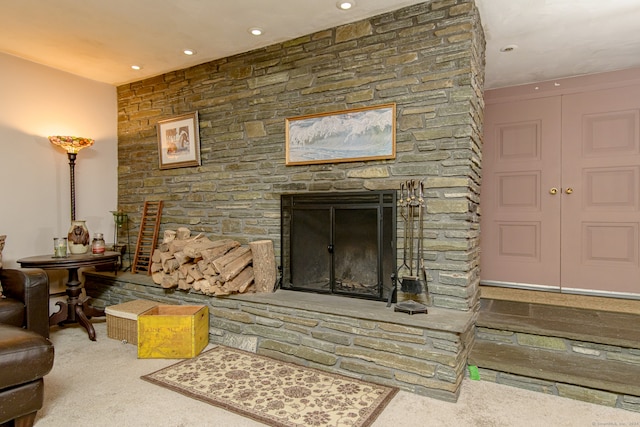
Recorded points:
(71, 144)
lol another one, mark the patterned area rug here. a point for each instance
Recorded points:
(274, 392)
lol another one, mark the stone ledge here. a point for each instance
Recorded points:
(437, 318)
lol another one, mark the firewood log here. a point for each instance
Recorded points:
(182, 257)
(194, 272)
(155, 257)
(220, 263)
(201, 284)
(183, 285)
(165, 256)
(220, 291)
(183, 233)
(264, 265)
(219, 250)
(179, 244)
(156, 266)
(243, 279)
(209, 270)
(234, 268)
(157, 277)
(169, 281)
(170, 265)
(250, 287)
(195, 248)
(207, 289)
(169, 236)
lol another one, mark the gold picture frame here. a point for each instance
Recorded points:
(359, 134)
(179, 141)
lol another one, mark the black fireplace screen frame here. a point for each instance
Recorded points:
(347, 248)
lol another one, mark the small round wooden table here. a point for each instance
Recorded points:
(76, 308)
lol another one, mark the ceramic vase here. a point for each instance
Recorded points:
(78, 237)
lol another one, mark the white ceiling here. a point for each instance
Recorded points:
(100, 39)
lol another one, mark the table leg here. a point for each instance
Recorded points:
(76, 308)
(61, 315)
(84, 321)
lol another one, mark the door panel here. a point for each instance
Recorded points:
(601, 215)
(520, 217)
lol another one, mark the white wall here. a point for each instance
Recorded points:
(35, 102)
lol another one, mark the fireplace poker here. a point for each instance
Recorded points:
(421, 205)
(403, 214)
(410, 202)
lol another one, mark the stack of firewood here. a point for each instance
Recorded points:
(213, 267)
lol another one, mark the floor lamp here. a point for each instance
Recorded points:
(72, 145)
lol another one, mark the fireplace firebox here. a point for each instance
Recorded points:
(340, 243)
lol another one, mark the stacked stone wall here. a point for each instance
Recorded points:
(426, 58)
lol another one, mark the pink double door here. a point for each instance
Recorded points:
(560, 196)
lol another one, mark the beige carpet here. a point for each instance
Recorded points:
(278, 393)
(98, 384)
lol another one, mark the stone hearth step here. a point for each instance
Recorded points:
(597, 326)
(575, 369)
(583, 347)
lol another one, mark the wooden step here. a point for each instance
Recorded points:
(595, 326)
(575, 369)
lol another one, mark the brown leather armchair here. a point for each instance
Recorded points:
(26, 354)
(27, 299)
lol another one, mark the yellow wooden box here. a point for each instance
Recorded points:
(173, 331)
(122, 319)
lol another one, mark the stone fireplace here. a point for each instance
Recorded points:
(339, 243)
(427, 59)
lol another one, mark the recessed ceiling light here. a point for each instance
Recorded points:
(189, 52)
(509, 48)
(136, 67)
(256, 31)
(345, 5)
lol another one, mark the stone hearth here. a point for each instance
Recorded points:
(422, 354)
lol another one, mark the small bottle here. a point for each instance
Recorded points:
(60, 247)
(98, 245)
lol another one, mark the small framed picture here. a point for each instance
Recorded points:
(179, 142)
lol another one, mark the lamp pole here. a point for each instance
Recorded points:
(72, 167)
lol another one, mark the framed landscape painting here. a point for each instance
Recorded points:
(367, 133)
(179, 141)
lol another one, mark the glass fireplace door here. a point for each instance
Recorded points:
(339, 243)
(310, 249)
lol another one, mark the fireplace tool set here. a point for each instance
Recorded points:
(412, 272)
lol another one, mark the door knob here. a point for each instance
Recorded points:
(554, 190)
(569, 190)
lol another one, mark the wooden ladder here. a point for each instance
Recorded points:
(147, 237)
